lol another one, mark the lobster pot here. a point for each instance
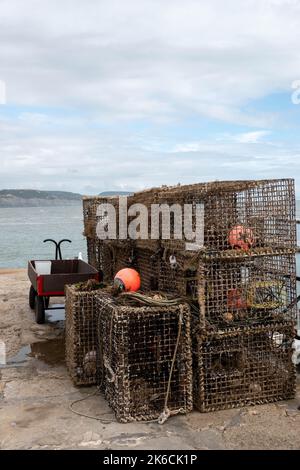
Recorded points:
(234, 214)
(143, 201)
(81, 335)
(147, 263)
(123, 254)
(146, 359)
(258, 288)
(100, 255)
(220, 216)
(126, 255)
(242, 367)
(178, 274)
(92, 252)
(90, 218)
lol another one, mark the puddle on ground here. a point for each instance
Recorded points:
(51, 353)
(20, 357)
(57, 315)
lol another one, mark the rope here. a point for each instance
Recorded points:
(145, 300)
(102, 420)
(166, 412)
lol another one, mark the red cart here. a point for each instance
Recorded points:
(51, 283)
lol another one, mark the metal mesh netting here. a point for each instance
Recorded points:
(146, 199)
(90, 205)
(111, 256)
(123, 255)
(178, 274)
(81, 335)
(239, 289)
(243, 367)
(256, 288)
(147, 263)
(237, 218)
(90, 218)
(265, 211)
(138, 345)
(100, 255)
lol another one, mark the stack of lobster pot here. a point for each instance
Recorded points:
(234, 262)
(241, 273)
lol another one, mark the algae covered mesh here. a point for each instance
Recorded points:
(243, 366)
(81, 335)
(255, 288)
(147, 263)
(242, 289)
(100, 255)
(226, 215)
(178, 273)
(237, 214)
(146, 358)
(90, 215)
(123, 254)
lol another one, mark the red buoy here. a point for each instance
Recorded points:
(128, 279)
(241, 237)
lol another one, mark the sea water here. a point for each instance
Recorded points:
(23, 229)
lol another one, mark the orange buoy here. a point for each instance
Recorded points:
(128, 279)
(241, 237)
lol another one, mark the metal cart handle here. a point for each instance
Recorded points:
(58, 254)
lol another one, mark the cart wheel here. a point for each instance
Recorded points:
(47, 300)
(32, 296)
(40, 310)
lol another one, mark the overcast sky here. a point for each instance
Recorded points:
(126, 94)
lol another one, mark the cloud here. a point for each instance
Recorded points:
(150, 59)
(2, 92)
(108, 94)
(92, 161)
(251, 137)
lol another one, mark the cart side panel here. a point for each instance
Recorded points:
(85, 268)
(32, 274)
(55, 284)
(65, 266)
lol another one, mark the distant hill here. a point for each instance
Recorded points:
(35, 198)
(116, 193)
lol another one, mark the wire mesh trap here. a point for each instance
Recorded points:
(81, 335)
(241, 215)
(146, 359)
(123, 254)
(246, 366)
(147, 263)
(101, 256)
(90, 216)
(178, 273)
(252, 289)
(234, 215)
